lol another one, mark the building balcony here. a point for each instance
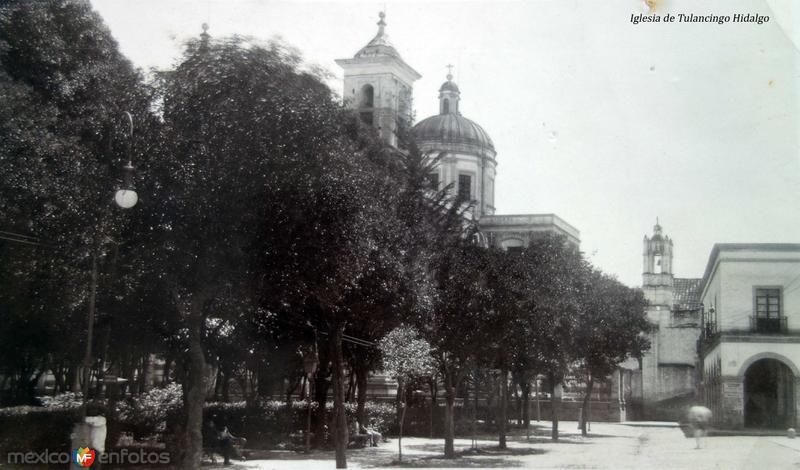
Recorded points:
(759, 330)
(772, 325)
(708, 336)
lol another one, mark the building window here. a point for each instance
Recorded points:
(433, 181)
(446, 106)
(367, 96)
(768, 310)
(465, 187)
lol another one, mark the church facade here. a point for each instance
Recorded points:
(378, 85)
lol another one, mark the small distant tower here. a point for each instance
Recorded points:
(657, 259)
(449, 95)
(378, 83)
(658, 287)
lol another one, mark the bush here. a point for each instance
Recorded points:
(66, 400)
(146, 415)
(28, 428)
(158, 414)
(267, 423)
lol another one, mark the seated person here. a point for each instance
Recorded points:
(373, 436)
(356, 435)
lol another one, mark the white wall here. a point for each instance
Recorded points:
(735, 276)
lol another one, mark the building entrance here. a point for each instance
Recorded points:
(769, 395)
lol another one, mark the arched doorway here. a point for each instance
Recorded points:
(768, 395)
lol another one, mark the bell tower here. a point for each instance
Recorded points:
(657, 269)
(657, 279)
(378, 84)
(657, 285)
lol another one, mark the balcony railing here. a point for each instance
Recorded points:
(769, 325)
(709, 330)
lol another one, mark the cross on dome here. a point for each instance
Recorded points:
(381, 23)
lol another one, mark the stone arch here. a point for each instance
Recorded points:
(769, 392)
(768, 355)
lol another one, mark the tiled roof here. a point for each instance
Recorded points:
(687, 293)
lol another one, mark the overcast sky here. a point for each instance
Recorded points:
(605, 123)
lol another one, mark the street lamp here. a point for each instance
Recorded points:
(125, 198)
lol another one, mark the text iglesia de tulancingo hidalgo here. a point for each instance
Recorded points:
(692, 18)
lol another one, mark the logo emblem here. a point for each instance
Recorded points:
(83, 457)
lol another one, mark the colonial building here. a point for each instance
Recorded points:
(750, 345)
(668, 369)
(378, 83)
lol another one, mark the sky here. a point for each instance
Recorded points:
(605, 123)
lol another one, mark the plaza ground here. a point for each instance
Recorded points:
(607, 446)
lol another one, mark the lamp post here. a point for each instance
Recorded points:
(310, 363)
(125, 197)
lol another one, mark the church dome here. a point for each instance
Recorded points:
(452, 129)
(449, 85)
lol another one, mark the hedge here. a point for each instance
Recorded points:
(156, 416)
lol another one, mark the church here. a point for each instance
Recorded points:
(378, 84)
(669, 370)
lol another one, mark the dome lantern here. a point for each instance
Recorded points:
(449, 95)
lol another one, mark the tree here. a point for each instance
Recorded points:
(65, 87)
(406, 357)
(553, 290)
(610, 329)
(455, 325)
(259, 192)
(506, 319)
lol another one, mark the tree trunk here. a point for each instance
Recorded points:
(585, 405)
(351, 386)
(218, 385)
(195, 387)
(264, 384)
(321, 385)
(99, 390)
(74, 378)
(361, 394)
(449, 427)
(167, 370)
(525, 393)
(58, 375)
(339, 418)
(503, 418)
(555, 405)
(226, 387)
(404, 405)
(434, 403)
